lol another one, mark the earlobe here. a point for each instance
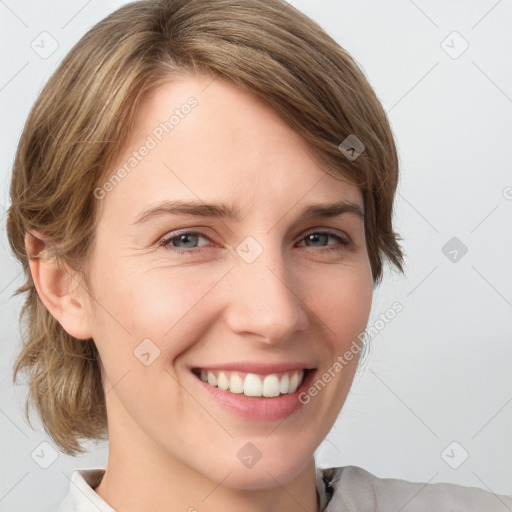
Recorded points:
(57, 286)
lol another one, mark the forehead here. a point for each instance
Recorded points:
(199, 139)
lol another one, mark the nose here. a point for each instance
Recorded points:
(265, 300)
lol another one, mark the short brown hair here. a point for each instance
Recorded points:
(84, 114)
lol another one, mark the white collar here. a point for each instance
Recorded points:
(81, 496)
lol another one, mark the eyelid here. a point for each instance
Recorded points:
(330, 231)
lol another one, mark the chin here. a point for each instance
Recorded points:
(252, 469)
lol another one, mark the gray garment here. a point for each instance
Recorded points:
(353, 489)
(345, 489)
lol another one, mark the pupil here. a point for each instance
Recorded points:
(314, 237)
(184, 238)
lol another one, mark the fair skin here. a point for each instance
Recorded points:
(173, 444)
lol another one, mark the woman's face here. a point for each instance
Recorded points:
(248, 302)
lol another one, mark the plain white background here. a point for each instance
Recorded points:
(437, 386)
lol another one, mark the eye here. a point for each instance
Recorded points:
(319, 236)
(189, 240)
(186, 237)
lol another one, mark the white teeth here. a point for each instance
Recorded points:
(236, 384)
(222, 381)
(268, 386)
(253, 385)
(271, 386)
(285, 384)
(294, 383)
(212, 380)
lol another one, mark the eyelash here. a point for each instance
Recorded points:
(166, 242)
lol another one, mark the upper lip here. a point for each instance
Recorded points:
(258, 368)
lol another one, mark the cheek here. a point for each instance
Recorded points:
(342, 300)
(168, 306)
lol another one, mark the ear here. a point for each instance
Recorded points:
(58, 287)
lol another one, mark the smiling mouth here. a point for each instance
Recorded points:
(251, 384)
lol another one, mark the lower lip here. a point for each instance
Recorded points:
(259, 408)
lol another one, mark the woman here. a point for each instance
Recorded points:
(242, 129)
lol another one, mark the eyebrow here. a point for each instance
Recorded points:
(227, 211)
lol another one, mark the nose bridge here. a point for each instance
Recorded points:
(267, 299)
